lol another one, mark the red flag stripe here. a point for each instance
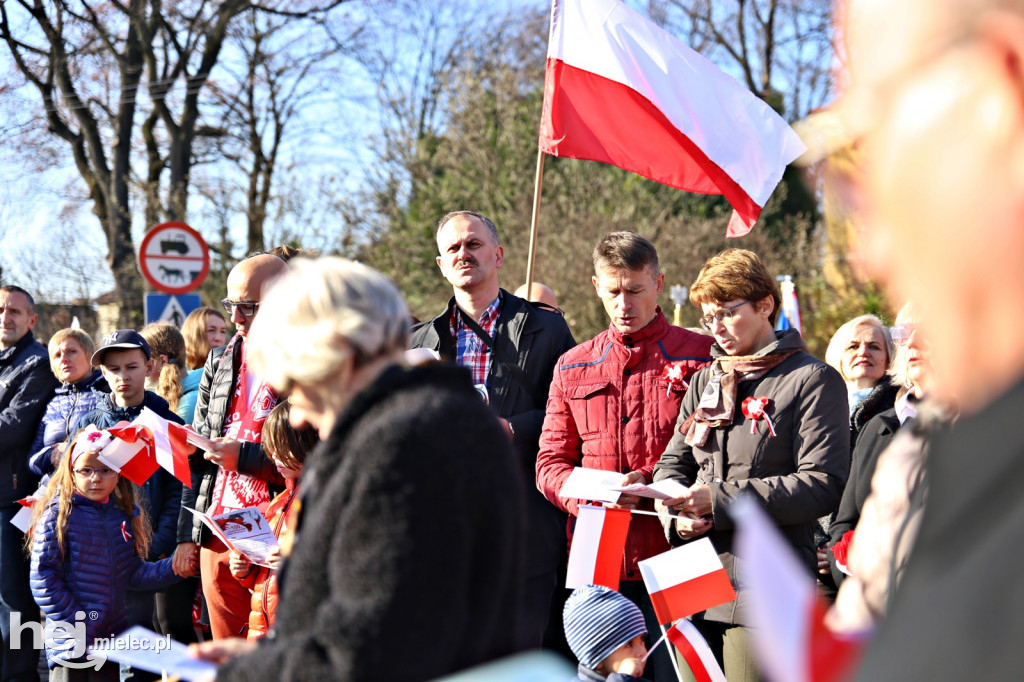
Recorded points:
(608, 567)
(692, 596)
(634, 135)
(689, 654)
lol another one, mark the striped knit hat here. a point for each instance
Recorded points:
(599, 620)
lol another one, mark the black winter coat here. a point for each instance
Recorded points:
(406, 562)
(26, 386)
(875, 437)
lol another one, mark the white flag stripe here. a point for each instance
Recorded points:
(718, 114)
(158, 426)
(700, 645)
(118, 453)
(586, 540)
(781, 594)
(680, 565)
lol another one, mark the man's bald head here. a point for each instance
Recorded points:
(245, 285)
(538, 293)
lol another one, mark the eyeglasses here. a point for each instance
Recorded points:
(901, 333)
(726, 314)
(247, 308)
(102, 472)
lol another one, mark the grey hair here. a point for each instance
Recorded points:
(316, 303)
(841, 339)
(488, 223)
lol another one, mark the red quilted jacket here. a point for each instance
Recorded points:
(610, 408)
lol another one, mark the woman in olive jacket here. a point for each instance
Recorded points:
(766, 420)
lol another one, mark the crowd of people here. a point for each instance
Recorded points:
(413, 473)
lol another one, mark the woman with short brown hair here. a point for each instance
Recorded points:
(765, 420)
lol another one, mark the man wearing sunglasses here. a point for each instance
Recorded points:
(231, 407)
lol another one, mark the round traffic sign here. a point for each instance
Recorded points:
(174, 258)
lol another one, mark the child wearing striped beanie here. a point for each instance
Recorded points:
(606, 633)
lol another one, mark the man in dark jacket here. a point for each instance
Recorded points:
(613, 407)
(511, 348)
(232, 404)
(26, 386)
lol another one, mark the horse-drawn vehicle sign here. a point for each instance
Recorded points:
(174, 258)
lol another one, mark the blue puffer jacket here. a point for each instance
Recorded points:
(98, 568)
(161, 494)
(67, 406)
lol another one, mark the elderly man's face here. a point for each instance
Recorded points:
(937, 143)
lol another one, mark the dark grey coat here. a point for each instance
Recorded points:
(797, 475)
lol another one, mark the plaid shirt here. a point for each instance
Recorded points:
(470, 350)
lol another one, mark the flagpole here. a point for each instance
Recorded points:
(671, 652)
(538, 181)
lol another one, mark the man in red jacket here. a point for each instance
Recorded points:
(614, 401)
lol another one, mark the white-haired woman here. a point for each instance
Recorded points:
(861, 350)
(406, 560)
(885, 491)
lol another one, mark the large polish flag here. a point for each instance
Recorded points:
(621, 90)
(598, 543)
(695, 651)
(686, 580)
(787, 617)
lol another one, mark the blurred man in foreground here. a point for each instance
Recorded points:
(936, 100)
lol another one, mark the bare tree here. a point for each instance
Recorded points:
(99, 67)
(781, 49)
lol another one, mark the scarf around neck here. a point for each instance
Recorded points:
(717, 405)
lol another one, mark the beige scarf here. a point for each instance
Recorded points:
(718, 401)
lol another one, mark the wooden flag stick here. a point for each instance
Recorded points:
(538, 181)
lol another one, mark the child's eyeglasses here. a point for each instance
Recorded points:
(89, 472)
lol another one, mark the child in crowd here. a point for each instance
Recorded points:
(167, 347)
(88, 541)
(125, 359)
(606, 633)
(288, 448)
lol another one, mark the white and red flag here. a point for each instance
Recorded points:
(787, 617)
(159, 443)
(598, 544)
(621, 90)
(125, 451)
(686, 580)
(695, 651)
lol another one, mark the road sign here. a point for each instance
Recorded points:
(168, 308)
(174, 258)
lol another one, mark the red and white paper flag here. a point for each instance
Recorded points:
(695, 651)
(788, 632)
(151, 442)
(171, 443)
(621, 90)
(127, 452)
(686, 580)
(598, 544)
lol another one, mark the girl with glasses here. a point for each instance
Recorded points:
(88, 539)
